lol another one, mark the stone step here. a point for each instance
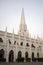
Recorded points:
(25, 63)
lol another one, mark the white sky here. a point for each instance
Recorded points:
(10, 14)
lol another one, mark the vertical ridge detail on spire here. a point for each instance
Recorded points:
(23, 27)
(22, 17)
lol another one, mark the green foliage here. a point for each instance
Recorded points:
(28, 59)
(37, 59)
(2, 60)
(20, 59)
(40, 59)
(34, 59)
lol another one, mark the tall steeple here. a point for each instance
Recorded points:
(23, 27)
(22, 17)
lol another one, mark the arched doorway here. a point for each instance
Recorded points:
(11, 56)
(19, 54)
(26, 55)
(37, 55)
(32, 56)
(2, 53)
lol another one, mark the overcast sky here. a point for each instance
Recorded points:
(10, 14)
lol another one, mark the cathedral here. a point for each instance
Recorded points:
(20, 45)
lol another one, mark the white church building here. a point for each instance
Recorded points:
(22, 44)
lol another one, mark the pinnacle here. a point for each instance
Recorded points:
(22, 17)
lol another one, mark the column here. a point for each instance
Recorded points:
(7, 52)
(30, 51)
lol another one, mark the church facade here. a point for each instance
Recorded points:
(21, 44)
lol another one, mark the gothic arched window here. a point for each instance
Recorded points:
(14, 42)
(32, 46)
(21, 43)
(19, 54)
(1, 40)
(11, 56)
(27, 44)
(2, 53)
(9, 41)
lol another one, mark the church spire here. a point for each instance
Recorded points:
(23, 27)
(22, 17)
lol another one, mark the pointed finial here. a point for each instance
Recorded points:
(34, 36)
(38, 36)
(13, 30)
(6, 29)
(23, 26)
(22, 17)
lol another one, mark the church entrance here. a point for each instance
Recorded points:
(26, 55)
(1, 53)
(37, 55)
(19, 54)
(11, 56)
(32, 56)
